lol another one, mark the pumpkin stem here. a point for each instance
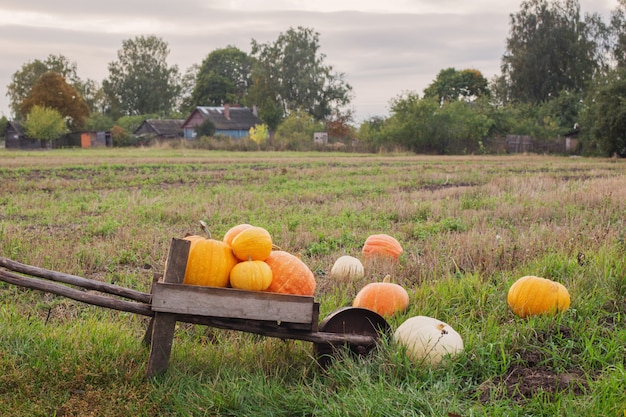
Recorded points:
(387, 278)
(275, 247)
(205, 228)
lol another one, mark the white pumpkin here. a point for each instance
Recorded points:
(428, 340)
(347, 268)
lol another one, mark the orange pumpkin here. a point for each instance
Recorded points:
(234, 231)
(382, 245)
(531, 295)
(386, 298)
(289, 274)
(253, 243)
(209, 262)
(251, 275)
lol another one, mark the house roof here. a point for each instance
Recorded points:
(162, 127)
(227, 117)
(15, 126)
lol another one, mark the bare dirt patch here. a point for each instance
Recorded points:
(531, 376)
(522, 383)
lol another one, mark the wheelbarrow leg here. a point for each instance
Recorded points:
(147, 337)
(160, 332)
(162, 337)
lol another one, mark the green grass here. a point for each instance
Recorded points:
(470, 226)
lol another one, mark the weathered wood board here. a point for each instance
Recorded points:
(232, 303)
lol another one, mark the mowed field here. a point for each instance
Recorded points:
(470, 226)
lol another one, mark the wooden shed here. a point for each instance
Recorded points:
(228, 120)
(15, 138)
(161, 128)
(572, 145)
(93, 139)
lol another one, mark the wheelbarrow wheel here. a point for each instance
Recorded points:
(350, 320)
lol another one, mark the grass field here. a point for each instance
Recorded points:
(470, 226)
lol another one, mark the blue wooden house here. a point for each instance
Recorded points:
(228, 120)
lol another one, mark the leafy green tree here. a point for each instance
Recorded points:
(369, 133)
(426, 126)
(121, 136)
(603, 119)
(185, 102)
(141, 81)
(99, 122)
(94, 96)
(206, 128)
(263, 94)
(223, 77)
(295, 133)
(259, 134)
(51, 91)
(534, 120)
(44, 124)
(618, 30)
(290, 74)
(467, 84)
(563, 110)
(408, 126)
(23, 80)
(3, 123)
(550, 49)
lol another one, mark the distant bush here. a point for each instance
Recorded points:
(223, 143)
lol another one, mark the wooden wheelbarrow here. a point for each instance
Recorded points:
(170, 301)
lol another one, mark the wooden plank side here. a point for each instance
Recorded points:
(232, 303)
(176, 264)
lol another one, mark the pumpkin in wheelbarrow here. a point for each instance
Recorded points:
(252, 243)
(209, 263)
(289, 274)
(251, 275)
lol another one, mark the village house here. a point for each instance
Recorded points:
(228, 120)
(160, 128)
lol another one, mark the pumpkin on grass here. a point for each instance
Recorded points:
(251, 275)
(289, 274)
(531, 295)
(428, 340)
(252, 243)
(209, 262)
(347, 268)
(385, 298)
(382, 246)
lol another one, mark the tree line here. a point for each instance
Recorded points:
(561, 70)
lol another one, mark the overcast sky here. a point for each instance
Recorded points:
(384, 48)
